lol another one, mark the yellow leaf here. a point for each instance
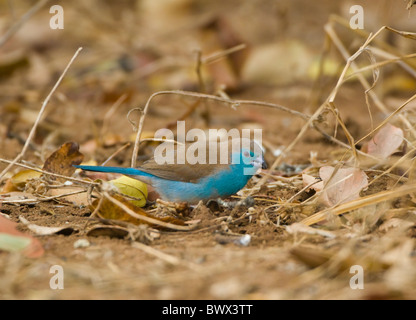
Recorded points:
(109, 210)
(20, 178)
(133, 188)
(18, 181)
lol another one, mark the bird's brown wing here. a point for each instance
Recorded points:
(194, 172)
(181, 172)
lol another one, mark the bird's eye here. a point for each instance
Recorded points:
(246, 154)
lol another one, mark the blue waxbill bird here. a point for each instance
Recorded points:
(194, 182)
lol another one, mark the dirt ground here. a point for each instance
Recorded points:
(132, 49)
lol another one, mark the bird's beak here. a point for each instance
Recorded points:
(259, 162)
(263, 164)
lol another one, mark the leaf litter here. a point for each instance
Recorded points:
(352, 204)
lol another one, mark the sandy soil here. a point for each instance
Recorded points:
(139, 47)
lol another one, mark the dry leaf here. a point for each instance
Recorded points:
(109, 210)
(14, 240)
(79, 199)
(46, 231)
(344, 186)
(63, 159)
(20, 178)
(385, 142)
(308, 180)
(18, 181)
(108, 231)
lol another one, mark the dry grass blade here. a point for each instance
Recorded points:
(147, 219)
(164, 256)
(218, 55)
(377, 65)
(39, 199)
(410, 35)
(384, 49)
(362, 202)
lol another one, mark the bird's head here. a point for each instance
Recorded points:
(248, 156)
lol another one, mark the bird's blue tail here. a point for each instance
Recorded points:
(126, 171)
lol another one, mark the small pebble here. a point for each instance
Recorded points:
(81, 243)
(244, 240)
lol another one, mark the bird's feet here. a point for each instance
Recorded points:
(246, 202)
(179, 208)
